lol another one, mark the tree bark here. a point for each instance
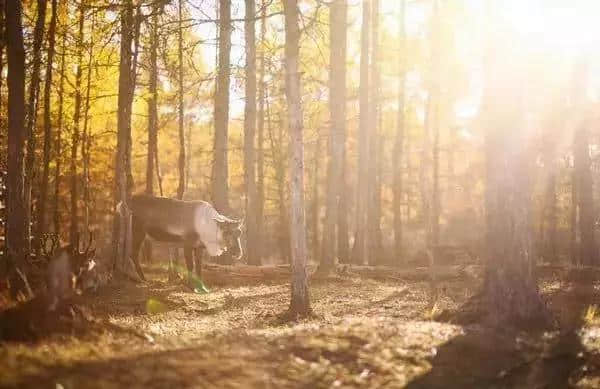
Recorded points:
(260, 164)
(316, 206)
(398, 153)
(279, 165)
(250, 135)
(510, 285)
(16, 229)
(435, 121)
(337, 130)
(122, 232)
(43, 200)
(574, 247)
(86, 138)
(181, 160)
(31, 115)
(300, 303)
(74, 230)
(359, 251)
(374, 240)
(58, 145)
(220, 174)
(152, 102)
(585, 199)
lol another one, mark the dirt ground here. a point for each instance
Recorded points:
(365, 333)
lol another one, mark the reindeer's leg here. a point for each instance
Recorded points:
(138, 235)
(198, 253)
(188, 253)
(173, 275)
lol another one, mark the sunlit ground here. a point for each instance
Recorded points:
(365, 333)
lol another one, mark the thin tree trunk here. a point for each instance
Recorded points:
(31, 115)
(585, 200)
(260, 164)
(181, 160)
(574, 247)
(300, 303)
(316, 206)
(279, 165)
(551, 199)
(122, 232)
(220, 174)
(2, 48)
(16, 229)
(152, 115)
(398, 153)
(249, 135)
(86, 139)
(43, 201)
(435, 121)
(374, 245)
(343, 235)
(152, 103)
(74, 231)
(58, 145)
(359, 251)
(336, 144)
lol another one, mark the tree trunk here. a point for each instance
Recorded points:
(2, 49)
(398, 153)
(43, 200)
(86, 138)
(58, 145)
(279, 165)
(260, 164)
(510, 285)
(152, 102)
(299, 304)
(337, 130)
(315, 208)
(152, 150)
(585, 200)
(31, 115)
(16, 229)
(574, 247)
(181, 161)
(74, 231)
(374, 246)
(220, 174)
(359, 251)
(582, 175)
(122, 232)
(435, 122)
(249, 135)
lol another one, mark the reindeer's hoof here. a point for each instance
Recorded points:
(198, 286)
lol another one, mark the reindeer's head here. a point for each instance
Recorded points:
(231, 231)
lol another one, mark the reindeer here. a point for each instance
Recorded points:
(195, 225)
(66, 271)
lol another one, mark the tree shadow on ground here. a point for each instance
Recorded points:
(486, 356)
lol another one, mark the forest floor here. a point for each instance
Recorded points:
(364, 333)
